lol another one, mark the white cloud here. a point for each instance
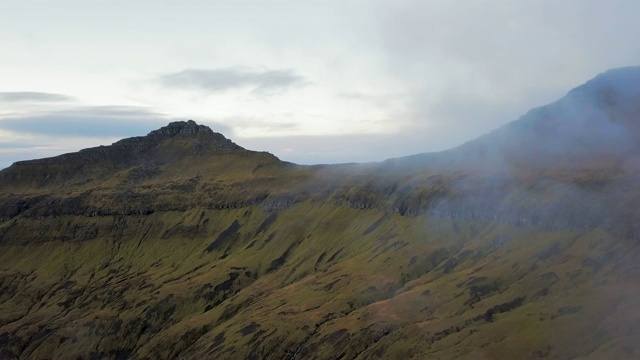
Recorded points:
(218, 80)
(32, 96)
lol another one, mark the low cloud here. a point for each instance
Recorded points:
(99, 121)
(220, 80)
(7, 146)
(32, 96)
(241, 123)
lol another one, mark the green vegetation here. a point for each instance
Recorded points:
(235, 254)
(402, 290)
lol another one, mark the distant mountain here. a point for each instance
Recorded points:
(181, 244)
(600, 117)
(166, 145)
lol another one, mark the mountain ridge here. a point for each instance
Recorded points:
(581, 121)
(606, 89)
(202, 135)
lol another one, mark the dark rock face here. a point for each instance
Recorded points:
(184, 128)
(201, 137)
(190, 130)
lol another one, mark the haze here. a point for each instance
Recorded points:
(311, 82)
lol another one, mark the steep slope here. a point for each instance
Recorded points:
(598, 118)
(181, 244)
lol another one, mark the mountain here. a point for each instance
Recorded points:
(181, 244)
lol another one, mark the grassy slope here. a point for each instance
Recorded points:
(318, 279)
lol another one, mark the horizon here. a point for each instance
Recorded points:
(621, 78)
(361, 82)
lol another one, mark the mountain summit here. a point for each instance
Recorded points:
(171, 145)
(182, 128)
(204, 137)
(182, 137)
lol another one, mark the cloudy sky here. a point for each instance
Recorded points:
(310, 81)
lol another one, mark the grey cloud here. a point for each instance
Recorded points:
(507, 43)
(9, 145)
(100, 121)
(219, 80)
(239, 122)
(32, 96)
(462, 117)
(480, 65)
(111, 111)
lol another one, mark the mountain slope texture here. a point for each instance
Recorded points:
(181, 244)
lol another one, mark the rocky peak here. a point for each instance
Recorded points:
(200, 136)
(168, 144)
(182, 128)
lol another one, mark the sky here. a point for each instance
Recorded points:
(309, 81)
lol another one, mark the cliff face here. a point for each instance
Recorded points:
(181, 244)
